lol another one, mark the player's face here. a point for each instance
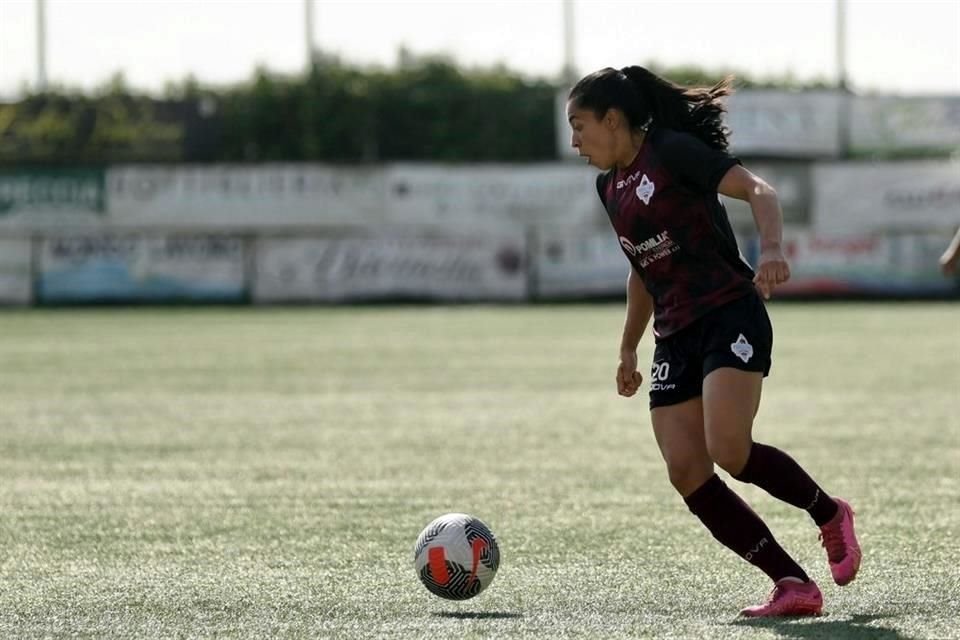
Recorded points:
(593, 138)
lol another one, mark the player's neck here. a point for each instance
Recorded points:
(631, 149)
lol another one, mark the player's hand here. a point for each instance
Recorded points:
(948, 263)
(628, 378)
(772, 269)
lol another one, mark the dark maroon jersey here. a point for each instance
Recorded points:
(673, 228)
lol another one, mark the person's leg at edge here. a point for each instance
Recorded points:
(731, 398)
(679, 431)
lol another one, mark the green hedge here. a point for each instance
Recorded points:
(427, 109)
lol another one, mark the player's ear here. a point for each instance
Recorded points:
(612, 118)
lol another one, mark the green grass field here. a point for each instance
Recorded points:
(253, 473)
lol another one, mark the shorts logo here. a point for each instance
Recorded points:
(645, 190)
(658, 377)
(742, 349)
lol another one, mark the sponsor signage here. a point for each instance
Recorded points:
(864, 197)
(539, 194)
(263, 195)
(864, 264)
(406, 264)
(920, 124)
(579, 262)
(785, 123)
(51, 195)
(121, 267)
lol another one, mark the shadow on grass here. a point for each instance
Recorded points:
(856, 628)
(478, 615)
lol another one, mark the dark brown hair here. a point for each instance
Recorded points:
(645, 98)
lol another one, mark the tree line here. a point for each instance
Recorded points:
(426, 108)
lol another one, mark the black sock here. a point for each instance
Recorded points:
(779, 475)
(740, 529)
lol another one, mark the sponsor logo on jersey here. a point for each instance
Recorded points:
(651, 249)
(655, 241)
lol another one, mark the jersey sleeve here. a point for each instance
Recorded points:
(693, 161)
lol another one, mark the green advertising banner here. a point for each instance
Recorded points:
(52, 191)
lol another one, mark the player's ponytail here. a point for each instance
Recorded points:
(645, 98)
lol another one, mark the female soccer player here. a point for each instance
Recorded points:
(663, 149)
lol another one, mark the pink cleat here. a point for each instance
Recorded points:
(789, 598)
(840, 541)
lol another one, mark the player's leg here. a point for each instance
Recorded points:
(739, 341)
(676, 410)
(679, 432)
(731, 398)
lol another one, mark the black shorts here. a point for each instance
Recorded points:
(737, 334)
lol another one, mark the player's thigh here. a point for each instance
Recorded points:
(678, 429)
(738, 344)
(730, 401)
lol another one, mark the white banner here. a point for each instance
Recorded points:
(494, 195)
(501, 196)
(579, 262)
(785, 123)
(405, 265)
(861, 197)
(16, 283)
(864, 264)
(141, 267)
(888, 123)
(264, 195)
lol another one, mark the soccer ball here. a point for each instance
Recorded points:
(456, 556)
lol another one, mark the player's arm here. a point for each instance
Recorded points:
(639, 310)
(772, 267)
(950, 257)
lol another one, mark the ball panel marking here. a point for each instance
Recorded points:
(456, 556)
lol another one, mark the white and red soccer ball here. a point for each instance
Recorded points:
(456, 556)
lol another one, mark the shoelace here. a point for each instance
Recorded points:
(775, 594)
(779, 592)
(832, 540)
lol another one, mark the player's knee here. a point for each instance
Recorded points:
(729, 453)
(687, 474)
